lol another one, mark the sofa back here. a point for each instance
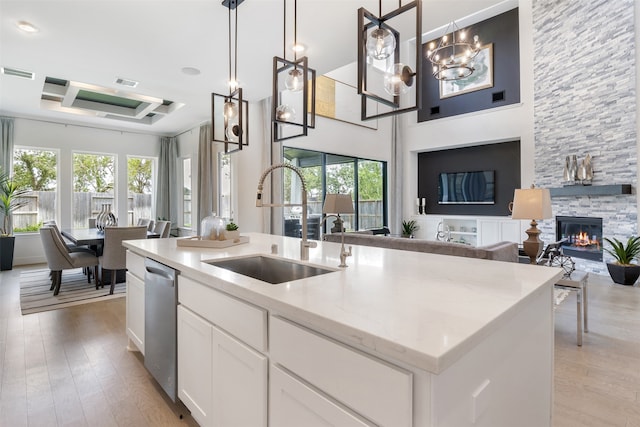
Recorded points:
(502, 251)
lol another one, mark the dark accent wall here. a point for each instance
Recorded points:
(501, 30)
(503, 158)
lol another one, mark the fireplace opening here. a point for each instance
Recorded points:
(583, 236)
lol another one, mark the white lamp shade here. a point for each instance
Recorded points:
(338, 204)
(532, 203)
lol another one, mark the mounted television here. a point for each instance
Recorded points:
(466, 188)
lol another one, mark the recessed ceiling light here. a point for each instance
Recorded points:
(190, 71)
(27, 27)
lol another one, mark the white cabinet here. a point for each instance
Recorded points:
(135, 301)
(475, 231)
(377, 390)
(221, 379)
(195, 346)
(239, 383)
(499, 230)
(295, 404)
(428, 227)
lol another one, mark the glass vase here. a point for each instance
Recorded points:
(211, 227)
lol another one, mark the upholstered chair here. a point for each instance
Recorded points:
(114, 255)
(162, 228)
(59, 258)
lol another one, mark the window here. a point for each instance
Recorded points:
(35, 170)
(140, 185)
(186, 192)
(326, 173)
(225, 203)
(371, 201)
(93, 186)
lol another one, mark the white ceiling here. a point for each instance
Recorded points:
(150, 41)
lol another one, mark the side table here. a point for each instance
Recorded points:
(578, 282)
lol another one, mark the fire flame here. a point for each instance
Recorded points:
(582, 239)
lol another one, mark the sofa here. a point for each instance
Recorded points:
(501, 251)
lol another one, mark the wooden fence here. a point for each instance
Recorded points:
(41, 206)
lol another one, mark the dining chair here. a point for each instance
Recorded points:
(162, 228)
(114, 255)
(144, 221)
(59, 258)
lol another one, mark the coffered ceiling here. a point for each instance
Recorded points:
(175, 50)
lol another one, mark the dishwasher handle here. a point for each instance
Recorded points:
(152, 271)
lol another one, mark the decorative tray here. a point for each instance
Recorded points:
(196, 242)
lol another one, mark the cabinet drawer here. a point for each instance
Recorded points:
(246, 322)
(135, 265)
(371, 387)
(294, 404)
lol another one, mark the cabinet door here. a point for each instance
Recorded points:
(194, 365)
(135, 311)
(511, 231)
(488, 232)
(239, 383)
(294, 404)
(428, 227)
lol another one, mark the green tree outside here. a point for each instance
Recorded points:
(93, 173)
(35, 170)
(139, 175)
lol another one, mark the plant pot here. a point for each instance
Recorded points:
(231, 235)
(624, 274)
(7, 243)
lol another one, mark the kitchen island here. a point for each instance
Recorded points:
(397, 338)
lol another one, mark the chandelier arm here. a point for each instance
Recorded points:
(229, 28)
(295, 31)
(235, 53)
(284, 29)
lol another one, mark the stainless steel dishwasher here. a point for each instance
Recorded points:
(160, 324)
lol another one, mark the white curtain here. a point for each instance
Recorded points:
(168, 197)
(6, 144)
(395, 187)
(207, 167)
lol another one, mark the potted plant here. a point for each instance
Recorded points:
(409, 227)
(10, 201)
(231, 231)
(623, 271)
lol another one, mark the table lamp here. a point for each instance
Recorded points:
(532, 203)
(336, 204)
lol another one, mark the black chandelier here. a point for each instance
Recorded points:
(293, 100)
(384, 83)
(230, 113)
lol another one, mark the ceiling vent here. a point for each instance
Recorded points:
(126, 82)
(18, 73)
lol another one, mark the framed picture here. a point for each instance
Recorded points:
(481, 78)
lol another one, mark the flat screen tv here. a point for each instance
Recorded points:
(467, 188)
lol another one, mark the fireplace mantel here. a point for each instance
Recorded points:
(591, 190)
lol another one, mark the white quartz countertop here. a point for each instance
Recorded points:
(425, 310)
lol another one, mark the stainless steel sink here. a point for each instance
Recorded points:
(269, 269)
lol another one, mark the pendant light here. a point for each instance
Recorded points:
(294, 89)
(386, 85)
(230, 113)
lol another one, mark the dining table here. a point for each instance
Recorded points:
(94, 238)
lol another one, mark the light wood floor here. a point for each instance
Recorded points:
(70, 367)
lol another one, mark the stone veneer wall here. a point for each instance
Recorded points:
(585, 102)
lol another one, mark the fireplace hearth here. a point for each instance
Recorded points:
(582, 235)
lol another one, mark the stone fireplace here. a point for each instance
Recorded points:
(582, 236)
